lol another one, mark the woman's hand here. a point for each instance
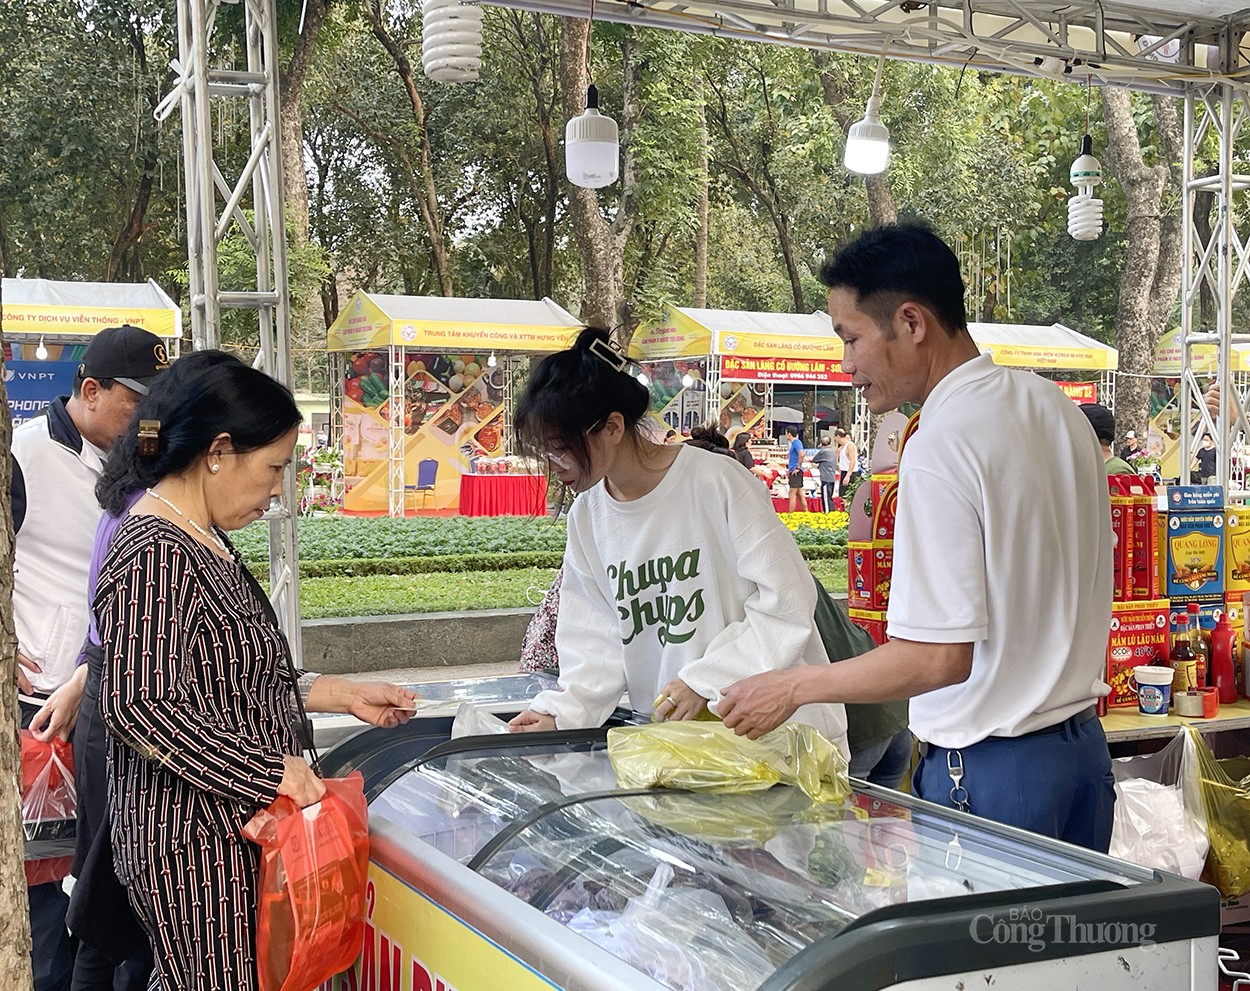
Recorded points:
(677, 700)
(58, 714)
(381, 703)
(532, 722)
(299, 783)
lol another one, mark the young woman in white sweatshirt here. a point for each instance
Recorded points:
(679, 579)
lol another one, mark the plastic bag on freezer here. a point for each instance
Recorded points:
(706, 756)
(685, 938)
(1160, 821)
(48, 796)
(314, 862)
(476, 720)
(1227, 803)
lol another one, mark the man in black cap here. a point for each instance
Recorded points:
(1103, 422)
(57, 459)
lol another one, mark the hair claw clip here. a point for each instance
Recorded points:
(610, 352)
(149, 437)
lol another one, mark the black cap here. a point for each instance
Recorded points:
(126, 354)
(1102, 420)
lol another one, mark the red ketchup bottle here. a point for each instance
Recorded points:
(1223, 666)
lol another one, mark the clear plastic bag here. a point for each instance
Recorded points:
(311, 899)
(476, 720)
(1227, 802)
(685, 938)
(1160, 820)
(707, 756)
(49, 800)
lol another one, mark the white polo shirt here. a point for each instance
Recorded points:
(1003, 539)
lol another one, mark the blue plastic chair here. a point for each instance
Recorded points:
(427, 473)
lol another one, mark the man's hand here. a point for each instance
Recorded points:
(59, 713)
(23, 683)
(381, 703)
(299, 783)
(532, 722)
(677, 700)
(753, 706)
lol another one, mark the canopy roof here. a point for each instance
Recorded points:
(375, 320)
(38, 307)
(1022, 345)
(688, 331)
(1202, 359)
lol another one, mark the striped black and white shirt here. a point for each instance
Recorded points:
(196, 692)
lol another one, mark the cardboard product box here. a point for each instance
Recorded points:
(872, 620)
(884, 499)
(1147, 572)
(1195, 562)
(1138, 635)
(1122, 547)
(869, 564)
(1234, 607)
(1195, 497)
(1237, 550)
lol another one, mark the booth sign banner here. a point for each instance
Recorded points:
(757, 345)
(1031, 356)
(1080, 392)
(85, 321)
(682, 339)
(735, 369)
(484, 336)
(31, 385)
(413, 944)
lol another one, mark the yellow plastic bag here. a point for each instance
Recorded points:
(1227, 802)
(702, 756)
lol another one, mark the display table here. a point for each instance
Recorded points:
(503, 495)
(782, 504)
(1129, 724)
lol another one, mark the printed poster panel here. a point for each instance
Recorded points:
(32, 385)
(1080, 392)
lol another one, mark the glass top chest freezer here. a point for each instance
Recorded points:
(516, 862)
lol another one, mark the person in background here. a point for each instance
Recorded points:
(826, 459)
(57, 460)
(741, 451)
(670, 607)
(198, 690)
(794, 468)
(671, 437)
(1131, 449)
(848, 459)
(1202, 471)
(1103, 422)
(1001, 494)
(710, 439)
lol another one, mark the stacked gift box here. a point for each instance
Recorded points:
(869, 562)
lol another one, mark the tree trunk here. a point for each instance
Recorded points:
(701, 236)
(601, 245)
(15, 972)
(1144, 280)
(423, 172)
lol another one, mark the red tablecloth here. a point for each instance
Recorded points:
(503, 495)
(782, 504)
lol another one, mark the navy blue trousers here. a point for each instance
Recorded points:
(1055, 783)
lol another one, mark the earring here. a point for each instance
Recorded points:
(214, 468)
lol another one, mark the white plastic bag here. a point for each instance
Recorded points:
(476, 720)
(1159, 818)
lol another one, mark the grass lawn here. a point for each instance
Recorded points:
(386, 595)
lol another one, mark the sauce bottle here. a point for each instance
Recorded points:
(1223, 667)
(1184, 661)
(1200, 641)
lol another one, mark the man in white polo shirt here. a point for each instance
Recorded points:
(57, 459)
(1000, 596)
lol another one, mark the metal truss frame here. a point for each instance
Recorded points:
(216, 199)
(1219, 265)
(397, 494)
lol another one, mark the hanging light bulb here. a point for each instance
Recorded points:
(642, 378)
(490, 362)
(41, 352)
(687, 380)
(1084, 211)
(868, 141)
(451, 41)
(592, 148)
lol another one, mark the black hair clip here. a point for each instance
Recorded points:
(610, 352)
(149, 437)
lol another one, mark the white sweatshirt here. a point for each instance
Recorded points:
(697, 580)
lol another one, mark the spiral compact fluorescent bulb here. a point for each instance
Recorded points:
(1084, 211)
(451, 41)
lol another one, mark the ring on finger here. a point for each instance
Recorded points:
(669, 699)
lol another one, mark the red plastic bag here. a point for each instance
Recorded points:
(314, 862)
(49, 804)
